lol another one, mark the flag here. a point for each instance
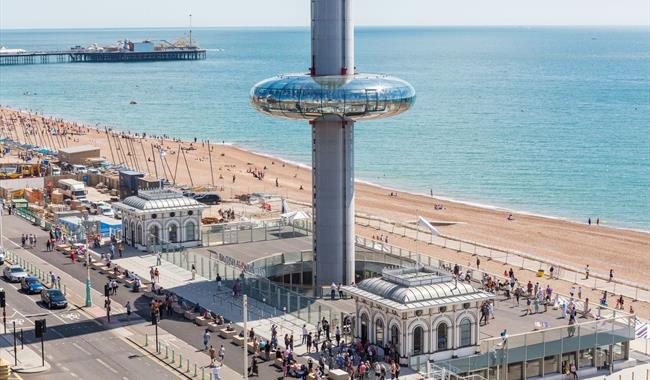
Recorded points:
(424, 222)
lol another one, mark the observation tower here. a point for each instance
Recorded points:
(332, 96)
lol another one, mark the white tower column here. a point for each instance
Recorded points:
(333, 153)
(333, 199)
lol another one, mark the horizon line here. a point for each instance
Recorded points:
(358, 25)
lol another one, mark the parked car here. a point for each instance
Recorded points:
(79, 169)
(2, 256)
(13, 273)
(105, 210)
(208, 198)
(53, 298)
(31, 285)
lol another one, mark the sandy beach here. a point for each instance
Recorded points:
(627, 252)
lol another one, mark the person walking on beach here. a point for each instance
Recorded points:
(478, 263)
(587, 272)
(611, 275)
(589, 221)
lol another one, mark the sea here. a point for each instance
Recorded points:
(544, 120)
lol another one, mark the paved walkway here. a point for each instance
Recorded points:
(205, 292)
(28, 360)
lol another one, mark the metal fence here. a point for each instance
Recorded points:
(514, 258)
(582, 338)
(283, 300)
(252, 231)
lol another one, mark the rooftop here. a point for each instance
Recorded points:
(160, 200)
(78, 149)
(415, 288)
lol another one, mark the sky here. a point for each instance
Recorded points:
(38, 14)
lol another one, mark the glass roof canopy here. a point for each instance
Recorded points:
(357, 97)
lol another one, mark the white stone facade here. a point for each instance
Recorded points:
(161, 217)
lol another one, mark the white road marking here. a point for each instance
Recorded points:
(100, 361)
(81, 348)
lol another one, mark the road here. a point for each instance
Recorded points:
(77, 346)
(179, 328)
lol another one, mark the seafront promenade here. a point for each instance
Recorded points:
(228, 168)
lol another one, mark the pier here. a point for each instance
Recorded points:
(66, 56)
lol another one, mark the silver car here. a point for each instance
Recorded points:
(14, 273)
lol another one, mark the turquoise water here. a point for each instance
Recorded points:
(546, 120)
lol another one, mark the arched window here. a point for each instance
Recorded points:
(379, 332)
(364, 327)
(442, 336)
(172, 233)
(465, 332)
(418, 340)
(189, 231)
(154, 234)
(394, 336)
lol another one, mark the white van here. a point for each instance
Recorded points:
(55, 170)
(79, 169)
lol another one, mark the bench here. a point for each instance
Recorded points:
(213, 327)
(227, 334)
(278, 362)
(177, 308)
(251, 347)
(238, 340)
(201, 321)
(190, 315)
(97, 265)
(338, 374)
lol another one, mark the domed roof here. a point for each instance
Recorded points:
(416, 288)
(157, 204)
(407, 294)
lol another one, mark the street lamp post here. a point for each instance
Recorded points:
(89, 301)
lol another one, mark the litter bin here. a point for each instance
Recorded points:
(540, 273)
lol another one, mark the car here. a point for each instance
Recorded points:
(13, 273)
(53, 298)
(93, 171)
(79, 169)
(2, 256)
(105, 210)
(31, 285)
(208, 198)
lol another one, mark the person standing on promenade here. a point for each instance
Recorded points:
(478, 263)
(206, 339)
(128, 310)
(304, 334)
(222, 353)
(213, 355)
(158, 259)
(193, 272)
